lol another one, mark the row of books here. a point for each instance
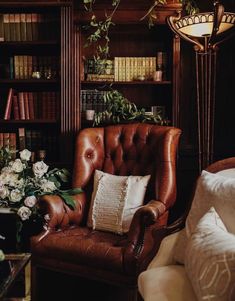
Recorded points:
(36, 140)
(27, 67)
(125, 68)
(8, 140)
(31, 105)
(28, 27)
(93, 100)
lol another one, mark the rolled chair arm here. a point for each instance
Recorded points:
(144, 217)
(58, 215)
(145, 220)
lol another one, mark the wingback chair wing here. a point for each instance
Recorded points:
(68, 245)
(165, 268)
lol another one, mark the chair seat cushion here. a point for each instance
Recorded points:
(83, 246)
(168, 283)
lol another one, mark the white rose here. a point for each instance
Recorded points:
(25, 155)
(7, 169)
(30, 201)
(17, 166)
(24, 213)
(47, 186)
(13, 180)
(4, 192)
(15, 195)
(20, 183)
(40, 168)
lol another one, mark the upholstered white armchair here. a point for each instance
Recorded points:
(198, 262)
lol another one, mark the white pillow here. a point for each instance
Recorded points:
(115, 199)
(210, 259)
(213, 190)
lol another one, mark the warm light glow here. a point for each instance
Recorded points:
(201, 25)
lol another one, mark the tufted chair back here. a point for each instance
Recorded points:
(130, 149)
(69, 245)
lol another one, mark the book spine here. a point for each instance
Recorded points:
(11, 68)
(16, 67)
(21, 66)
(7, 114)
(12, 143)
(25, 69)
(6, 26)
(28, 140)
(21, 138)
(34, 27)
(21, 106)
(23, 27)
(16, 113)
(17, 27)
(1, 28)
(31, 105)
(1, 140)
(29, 35)
(26, 104)
(6, 140)
(12, 27)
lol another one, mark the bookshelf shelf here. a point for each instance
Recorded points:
(29, 81)
(166, 82)
(23, 44)
(35, 121)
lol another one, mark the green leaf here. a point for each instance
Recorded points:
(68, 200)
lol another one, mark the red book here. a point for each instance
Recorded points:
(21, 106)
(12, 144)
(21, 132)
(1, 140)
(31, 105)
(7, 114)
(16, 111)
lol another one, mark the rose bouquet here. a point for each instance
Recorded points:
(21, 184)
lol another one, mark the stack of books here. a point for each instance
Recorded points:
(93, 100)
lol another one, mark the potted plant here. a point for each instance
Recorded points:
(120, 110)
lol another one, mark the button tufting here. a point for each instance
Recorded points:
(89, 155)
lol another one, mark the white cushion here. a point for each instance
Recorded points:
(115, 199)
(213, 190)
(169, 283)
(210, 259)
(165, 254)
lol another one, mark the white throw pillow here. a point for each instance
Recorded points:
(210, 259)
(115, 199)
(213, 190)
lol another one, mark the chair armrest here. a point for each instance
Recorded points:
(148, 214)
(145, 220)
(165, 254)
(59, 214)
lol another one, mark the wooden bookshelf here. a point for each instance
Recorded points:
(131, 38)
(44, 48)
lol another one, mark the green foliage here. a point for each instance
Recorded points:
(100, 29)
(119, 109)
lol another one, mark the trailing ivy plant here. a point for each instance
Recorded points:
(119, 109)
(100, 29)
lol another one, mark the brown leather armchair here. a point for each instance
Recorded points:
(68, 245)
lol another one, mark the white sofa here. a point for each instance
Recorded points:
(167, 280)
